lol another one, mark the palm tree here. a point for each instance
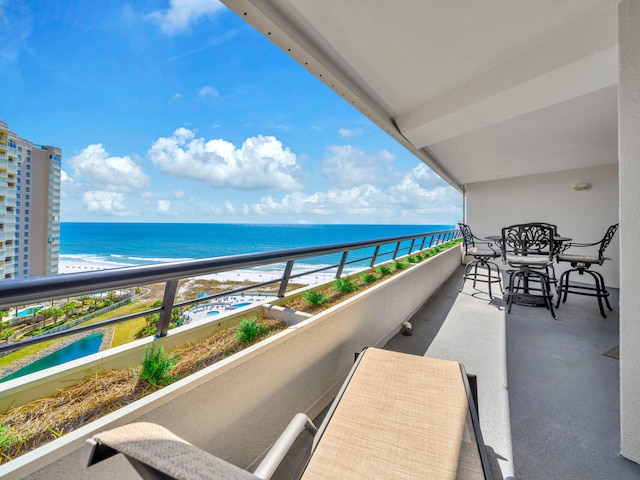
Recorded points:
(67, 308)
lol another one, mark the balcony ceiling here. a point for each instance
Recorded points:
(478, 90)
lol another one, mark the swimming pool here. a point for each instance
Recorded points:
(78, 349)
(213, 312)
(28, 311)
(244, 304)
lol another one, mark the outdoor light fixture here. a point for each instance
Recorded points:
(581, 187)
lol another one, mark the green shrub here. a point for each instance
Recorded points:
(344, 285)
(384, 270)
(156, 365)
(399, 265)
(6, 333)
(7, 440)
(315, 298)
(249, 330)
(413, 259)
(368, 277)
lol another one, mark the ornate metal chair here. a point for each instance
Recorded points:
(482, 252)
(581, 264)
(528, 249)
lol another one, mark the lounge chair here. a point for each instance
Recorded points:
(400, 415)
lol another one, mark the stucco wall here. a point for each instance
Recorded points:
(629, 137)
(583, 216)
(237, 408)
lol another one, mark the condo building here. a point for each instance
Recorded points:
(29, 206)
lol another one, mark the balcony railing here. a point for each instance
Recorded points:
(43, 289)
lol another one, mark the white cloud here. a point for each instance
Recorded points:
(348, 133)
(208, 91)
(64, 177)
(175, 98)
(420, 196)
(164, 206)
(183, 13)
(177, 194)
(95, 165)
(108, 203)
(261, 162)
(348, 166)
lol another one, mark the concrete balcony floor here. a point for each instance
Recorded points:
(548, 397)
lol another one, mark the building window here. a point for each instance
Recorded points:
(26, 227)
(25, 264)
(28, 181)
(28, 166)
(24, 257)
(17, 195)
(26, 249)
(18, 188)
(26, 242)
(17, 210)
(12, 144)
(19, 179)
(17, 203)
(26, 234)
(28, 189)
(19, 148)
(29, 152)
(26, 212)
(19, 156)
(26, 204)
(17, 242)
(25, 272)
(27, 196)
(28, 174)
(19, 164)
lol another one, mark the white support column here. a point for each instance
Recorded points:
(629, 158)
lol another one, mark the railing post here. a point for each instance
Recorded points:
(413, 242)
(424, 239)
(285, 278)
(375, 256)
(343, 260)
(167, 307)
(431, 241)
(395, 253)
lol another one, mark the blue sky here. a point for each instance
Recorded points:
(178, 111)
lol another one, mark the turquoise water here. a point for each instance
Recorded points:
(147, 243)
(28, 311)
(238, 305)
(85, 346)
(213, 312)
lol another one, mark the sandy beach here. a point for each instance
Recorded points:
(66, 267)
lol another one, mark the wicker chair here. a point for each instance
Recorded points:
(581, 264)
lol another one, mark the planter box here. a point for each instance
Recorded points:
(237, 407)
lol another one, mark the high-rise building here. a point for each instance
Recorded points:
(29, 206)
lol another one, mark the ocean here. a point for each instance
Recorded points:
(122, 244)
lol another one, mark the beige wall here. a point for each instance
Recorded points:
(583, 216)
(629, 151)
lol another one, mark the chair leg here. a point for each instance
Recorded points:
(603, 289)
(490, 271)
(599, 290)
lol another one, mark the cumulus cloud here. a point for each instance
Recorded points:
(419, 196)
(107, 203)
(347, 166)
(208, 91)
(164, 206)
(181, 14)
(348, 133)
(95, 165)
(64, 177)
(261, 162)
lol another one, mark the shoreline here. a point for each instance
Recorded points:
(69, 267)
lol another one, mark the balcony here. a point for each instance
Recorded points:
(548, 398)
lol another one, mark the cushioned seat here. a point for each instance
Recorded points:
(482, 251)
(581, 264)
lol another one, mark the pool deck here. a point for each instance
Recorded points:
(225, 306)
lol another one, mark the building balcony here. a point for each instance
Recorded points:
(542, 383)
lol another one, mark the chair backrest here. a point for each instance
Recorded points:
(467, 236)
(528, 239)
(606, 240)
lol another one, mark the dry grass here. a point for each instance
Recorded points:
(37, 423)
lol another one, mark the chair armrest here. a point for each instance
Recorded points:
(279, 450)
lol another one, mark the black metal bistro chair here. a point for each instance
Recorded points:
(528, 249)
(581, 264)
(482, 251)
